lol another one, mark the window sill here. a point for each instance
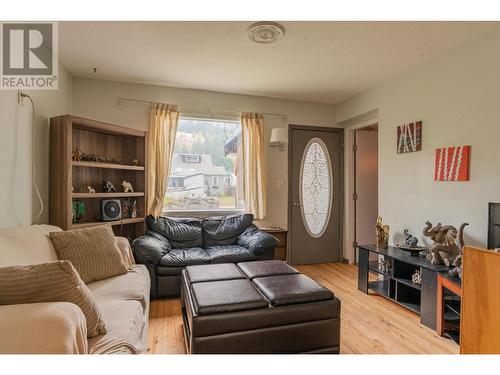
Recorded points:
(203, 213)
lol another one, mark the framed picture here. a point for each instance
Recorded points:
(409, 137)
(452, 163)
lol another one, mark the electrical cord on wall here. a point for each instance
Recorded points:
(33, 159)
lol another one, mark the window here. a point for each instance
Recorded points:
(215, 181)
(204, 165)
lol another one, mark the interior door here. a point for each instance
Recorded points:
(315, 185)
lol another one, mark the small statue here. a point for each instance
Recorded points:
(410, 240)
(77, 155)
(126, 208)
(133, 214)
(445, 249)
(135, 162)
(384, 265)
(87, 157)
(382, 232)
(457, 264)
(108, 187)
(90, 190)
(101, 159)
(127, 187)
(416, 278)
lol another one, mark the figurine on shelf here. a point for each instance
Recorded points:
(133, 214)
(410, 240)
(127, 187)
(382, 232)
(445, 248)
(90, 190)
(457, 264)
(384, 265)
(78, 211)
(108, 187)
(416, 278)
(101, 159)
(126, 208)
(135, 162)
(87, 157)
(77, 155)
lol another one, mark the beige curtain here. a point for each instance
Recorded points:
(254, 179)
(161, 141)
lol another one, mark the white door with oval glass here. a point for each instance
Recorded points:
(315, 179)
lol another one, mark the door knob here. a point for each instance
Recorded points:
(296, 204)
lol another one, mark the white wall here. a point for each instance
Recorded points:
(97, 100)
(18, 201)
(456, 97)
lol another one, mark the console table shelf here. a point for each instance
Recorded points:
(395, 283)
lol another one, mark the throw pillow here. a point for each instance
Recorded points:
(93, 252)
(55, 281)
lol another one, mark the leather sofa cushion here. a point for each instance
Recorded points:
(213, 272)
(226, 296)
(180, 232)
(266, 268)
(288, 289)
(229, 254)
(224, 230)
(184, 257)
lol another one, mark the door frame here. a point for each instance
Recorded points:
(350, 125)
(340, 131)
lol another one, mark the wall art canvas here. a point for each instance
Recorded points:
(409, 137)
(452, 164)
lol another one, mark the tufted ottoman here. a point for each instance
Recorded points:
(257, 307)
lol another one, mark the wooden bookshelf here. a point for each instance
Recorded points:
(69, 179)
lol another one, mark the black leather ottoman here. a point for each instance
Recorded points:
(257, 307)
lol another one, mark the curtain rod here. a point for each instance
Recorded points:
(119, 101)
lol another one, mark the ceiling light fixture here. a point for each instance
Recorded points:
(265, 32)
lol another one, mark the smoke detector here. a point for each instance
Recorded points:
(265, 32)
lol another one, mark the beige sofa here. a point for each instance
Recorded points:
(59, 327)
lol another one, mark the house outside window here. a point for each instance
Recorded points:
(204, 165)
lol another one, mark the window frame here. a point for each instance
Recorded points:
(208, 212)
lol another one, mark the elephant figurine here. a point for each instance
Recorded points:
(445, 248)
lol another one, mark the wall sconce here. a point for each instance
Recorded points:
(279, 138)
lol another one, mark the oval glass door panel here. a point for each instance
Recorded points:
(316, 187)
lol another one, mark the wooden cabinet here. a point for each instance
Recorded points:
(479, 323)
(117, 147)
(280, 234)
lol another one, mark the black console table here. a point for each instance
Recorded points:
(396, 284)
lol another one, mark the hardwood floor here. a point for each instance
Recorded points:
(370, 324)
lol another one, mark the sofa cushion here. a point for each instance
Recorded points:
(266, 268)
(55, 281)
(184, 257)
(26, 245)
(224, 230)
(125, 322)
(288, 289)
(225, 296)
(180, 232)
(132, 286)
(93, 252)
(213, 272)
(229, 254)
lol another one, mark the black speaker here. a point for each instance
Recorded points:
(111, 209)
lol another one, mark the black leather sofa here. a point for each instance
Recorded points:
(170, 244)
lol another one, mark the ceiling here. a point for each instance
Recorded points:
(315, 61)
